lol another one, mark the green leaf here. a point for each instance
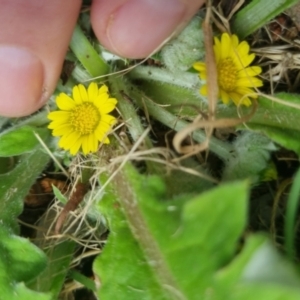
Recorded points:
(23, 259)
(287, 138)
(122, 268)
(170, 243)
(182, 182)
(257, 13)
(53, 277)
(58, 194)
(291, 217)
(19, 259)
(16, 184)
(21, 140)
(262, 291)
(250, 157)
(267, 275)
(85, 281)
(279, 121)
(181, 52)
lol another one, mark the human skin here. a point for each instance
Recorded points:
(35, 35)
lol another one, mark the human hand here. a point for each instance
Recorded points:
(35, 35)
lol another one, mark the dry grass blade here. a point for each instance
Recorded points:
(75, 199)
(220, 123)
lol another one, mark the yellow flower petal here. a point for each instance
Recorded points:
(101, 98)
(199, 66)
(246, 101)
(76, 95)
(243, 48)
(217, 50)
(76, 146)
(59, 116)
(103, 89)
(101, 134)
(246, 60)
(93, 143)
(224, 97)
(107, 107)
(83, 121)
(65, 129)
(234, 41)
(108, 119)
(250, 72)
(249, 82)
(203, 75)
(246, 91)
(235, 78)
(236, 98)
(93, 91)
(225, 45)
(106, 141)
(85, 145)
(64, 102)
(67, 141)
(55, 124)
(203, 90)
(83, 93)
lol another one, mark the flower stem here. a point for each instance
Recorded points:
(131, 119)
(87, 54)
(186, 80)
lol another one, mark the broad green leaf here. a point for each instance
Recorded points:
(188, 47)
(287, 138)
(279, 121)
(267, 275)
(18, 291)
(171, 243)
(262, 291)
(259, 264)
(21, 140)
(23, 258)
(182, 182)
(19, 259)
(15, 185)
(122, 268)
(53, 277)
(250, 158)
(257, 13)
(291, 217)
(193, 229)
(6, 164)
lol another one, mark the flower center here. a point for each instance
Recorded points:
(227, 74)
(85, 118)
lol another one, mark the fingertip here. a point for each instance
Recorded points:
(136, 28)
(21, 81)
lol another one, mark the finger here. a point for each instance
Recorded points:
(135, 28)
(32, 49)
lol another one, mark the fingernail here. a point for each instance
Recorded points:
(143, 25)
(21, 81)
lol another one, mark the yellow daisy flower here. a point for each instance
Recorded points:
(235, 78)
(83, 120)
